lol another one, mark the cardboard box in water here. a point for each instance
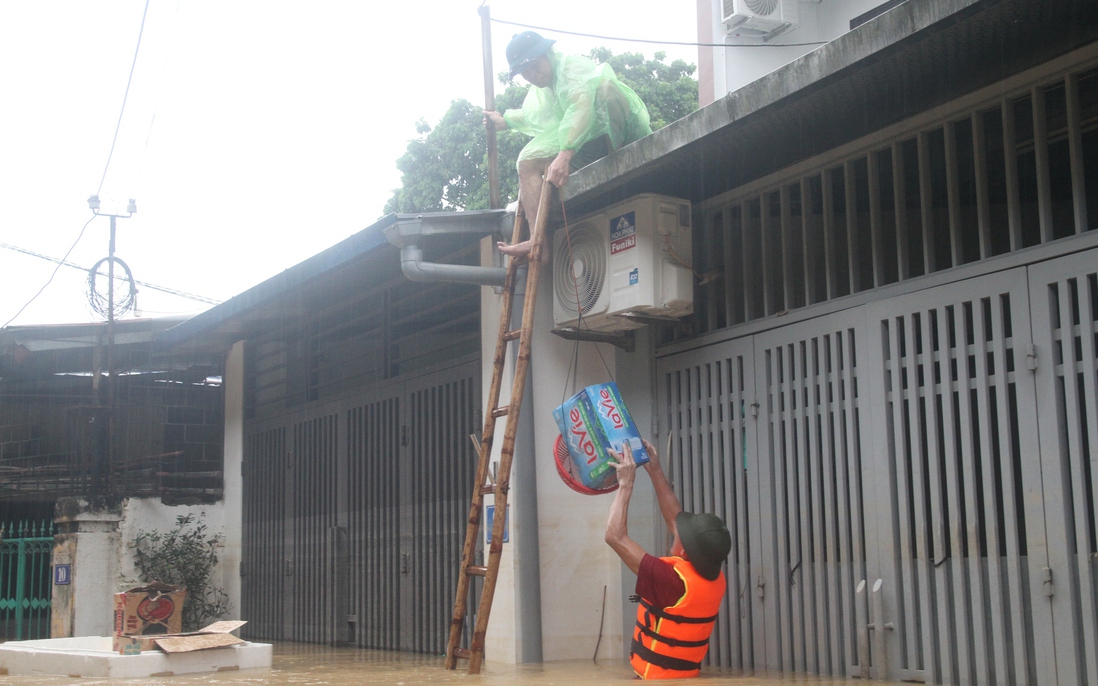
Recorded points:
(216, 635)
(155, 608)
(134, 645)
(593, 421)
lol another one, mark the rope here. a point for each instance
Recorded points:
(573, 371)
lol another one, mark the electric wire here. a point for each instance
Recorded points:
(144, 284)
(106, 167)
(52, 274)
(572, 375)
(122, 302)
(659, 42)
(125, 97)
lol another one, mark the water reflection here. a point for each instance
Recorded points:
(299, 663)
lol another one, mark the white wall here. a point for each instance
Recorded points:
(223, 518)
(577, 568)
(744, 60)
(233, 476)
(148, 515)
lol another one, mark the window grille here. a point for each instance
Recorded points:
(997, 178)
(338, 339)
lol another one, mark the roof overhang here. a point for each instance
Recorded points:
(347, 263)
(916, 56)
(51, 349)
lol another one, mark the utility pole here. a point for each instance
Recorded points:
(489, 104)
(105, 468)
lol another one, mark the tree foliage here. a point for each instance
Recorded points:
(446, 166)
(185, 556)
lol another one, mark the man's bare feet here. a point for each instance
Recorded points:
(522, 249)
(517, 250)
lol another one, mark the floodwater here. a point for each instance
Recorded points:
(296, 663)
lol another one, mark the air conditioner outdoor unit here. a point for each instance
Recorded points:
(630, 257)
(759, 18)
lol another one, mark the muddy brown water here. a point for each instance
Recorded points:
(296, 663)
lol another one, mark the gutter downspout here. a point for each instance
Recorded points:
(528, 544)
(405, 233)
(413, 266)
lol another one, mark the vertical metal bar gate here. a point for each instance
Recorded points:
(26, 551)
(1064, 294)
(911, 483)
(959, 420)
(354, 514)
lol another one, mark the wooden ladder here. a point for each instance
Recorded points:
(483, 484)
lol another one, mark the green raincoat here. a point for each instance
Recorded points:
(584, 101)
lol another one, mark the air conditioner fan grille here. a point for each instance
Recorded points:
(762, 7)
(580, 269)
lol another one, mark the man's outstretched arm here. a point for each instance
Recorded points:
(617, 528)
(664, 495)
(670, 506)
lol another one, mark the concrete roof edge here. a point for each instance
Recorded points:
(358, 244)
(362, 243)
(809, 71)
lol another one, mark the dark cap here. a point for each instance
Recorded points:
(706, 541)
(524, 48)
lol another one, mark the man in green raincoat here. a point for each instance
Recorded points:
(576, 112)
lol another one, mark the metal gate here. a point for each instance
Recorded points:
(354, 515)
(26, 550)
(1064, 294)
(910, 483)
(956, 418)
(765, 431)
(811, 394)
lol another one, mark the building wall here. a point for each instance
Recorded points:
(53, 436)
(874, 400)
(723, 70)
(234, 486)
(584, 587)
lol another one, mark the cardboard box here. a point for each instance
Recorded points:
(155, 608)
(133, 645)
(216, 635)
(593, 421)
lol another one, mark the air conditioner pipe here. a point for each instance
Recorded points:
(413, 266)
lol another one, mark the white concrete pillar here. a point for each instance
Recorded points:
(233, 475)
(87, 542)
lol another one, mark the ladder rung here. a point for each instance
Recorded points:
(497, 483)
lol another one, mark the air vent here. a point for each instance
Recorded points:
(578, 283)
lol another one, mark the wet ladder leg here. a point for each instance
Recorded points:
(501, 487)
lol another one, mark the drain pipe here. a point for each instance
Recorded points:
(413, 266)
(525, 487)
(406, 232)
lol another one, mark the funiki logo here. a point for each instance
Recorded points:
(608, 407)
(623, 233)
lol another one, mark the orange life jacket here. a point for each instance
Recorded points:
(670, 643)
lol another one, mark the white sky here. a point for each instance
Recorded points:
(256, 134)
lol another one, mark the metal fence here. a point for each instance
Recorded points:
(25, 590)
(355, 514)
(915, 497)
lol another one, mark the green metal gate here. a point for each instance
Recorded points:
(25, 589)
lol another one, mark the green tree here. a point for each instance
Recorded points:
(446, 166)
(185, 556)
(668, 90)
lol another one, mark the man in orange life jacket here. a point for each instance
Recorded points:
(681, 594)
